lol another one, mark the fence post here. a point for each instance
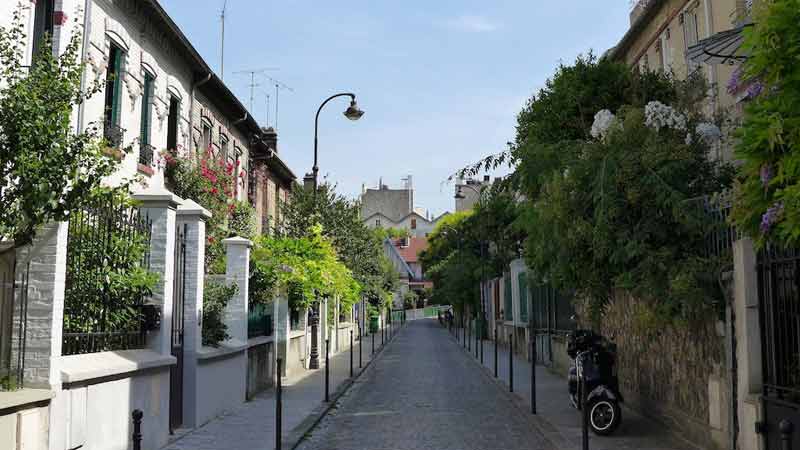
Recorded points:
(786, 428)
(584, 413)
(327, 369)
(137, 429)
(351, 353)
(533, 373)
(495, 351)
(278, 406)
(510, 362)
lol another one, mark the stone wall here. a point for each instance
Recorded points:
(260, 369)
(667, 373)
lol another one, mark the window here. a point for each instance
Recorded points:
(43, 25)
(413, 224)
(690, 35)
(377, 222)
(113, 85)
(223, 146)
(172, 123)
(206, 144)
(147, 109)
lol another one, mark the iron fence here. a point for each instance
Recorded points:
(108, 260)
(146, 152)
(259, 321)
(113, 134)
(13, 321)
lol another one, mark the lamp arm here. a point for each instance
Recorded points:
(315, 169)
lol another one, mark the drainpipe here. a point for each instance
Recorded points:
(712, 69)
(195, 85)
(87, 31)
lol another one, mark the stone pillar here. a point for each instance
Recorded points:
(237, 272)
(192, 217)
(748, 343)
(44, 325)
(282, 328)
(159, 205)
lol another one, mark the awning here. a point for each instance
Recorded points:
(721, 48)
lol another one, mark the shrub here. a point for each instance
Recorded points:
(215, 299)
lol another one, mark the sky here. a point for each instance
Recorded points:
(441, 82)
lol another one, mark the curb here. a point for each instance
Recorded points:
(544, 427)
(296, 436)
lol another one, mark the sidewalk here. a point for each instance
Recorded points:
(252, 424)
(559, 421)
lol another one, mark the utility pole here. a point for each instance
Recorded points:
(222, 43)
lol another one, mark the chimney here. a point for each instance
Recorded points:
(486, 178)
(271, 138)
(308, 182)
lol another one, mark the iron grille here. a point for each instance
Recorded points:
(113, 134)
(102, 312)
(146, 152)
(13, 322)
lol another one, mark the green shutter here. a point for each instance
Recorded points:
(116, 53)
(523, 296)
(144, 135)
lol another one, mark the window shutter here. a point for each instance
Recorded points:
(115, 104)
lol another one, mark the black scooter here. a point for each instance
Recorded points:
(594, 357)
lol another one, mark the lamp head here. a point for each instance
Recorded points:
(353, 112)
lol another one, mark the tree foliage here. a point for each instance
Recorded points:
(768, 193)
(45, 167)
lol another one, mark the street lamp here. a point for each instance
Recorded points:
(460, 195)
(353, 112)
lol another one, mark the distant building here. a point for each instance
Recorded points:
(470, 192)
(385, 207)
(404, 254)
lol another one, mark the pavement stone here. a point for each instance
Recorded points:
(423, 392)
(252, 424)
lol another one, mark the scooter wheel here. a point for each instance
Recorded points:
(605, 416)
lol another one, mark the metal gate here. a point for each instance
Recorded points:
(550, 316)
(13, 320)
(779, 301)
(178, 290)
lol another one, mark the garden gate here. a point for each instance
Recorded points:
(178, 290)
(550, 315)
(779, 306)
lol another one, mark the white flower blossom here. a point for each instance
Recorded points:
(689, 139)
(658, 115)
(708, 132)
(603, 121)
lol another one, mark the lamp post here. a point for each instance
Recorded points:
(460, 195)
(352, 113)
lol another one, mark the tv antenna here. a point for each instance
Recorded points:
(253, 85)
(222, 42)
(279, 86)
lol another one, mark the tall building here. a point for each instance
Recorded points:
(385, 207)
(468, 192)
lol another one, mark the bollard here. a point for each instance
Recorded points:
(483, 325)
(584, 413)
(137, 429)
(327, 369)
(477, 333)
(786, 428)
(351, 353)
(510, 362)
(373, 343)
(495, 351)
(278, 406)
(360, 346)
(463, 332)
(469, 336)
(533, 374)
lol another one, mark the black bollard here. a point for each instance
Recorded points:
(351, 353)
(483, 325)
(463, 332)
(278, 406)
(584, 413)
(510, 362)
(533, 374)
(137, 429)
(360, 346)
(786, 428)
(495, 351)
(373, 343)
(477, 333)
(327, 369)
(469, 336)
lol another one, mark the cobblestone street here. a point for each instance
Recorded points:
(423, 392)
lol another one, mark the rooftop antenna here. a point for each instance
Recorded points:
(278, 87)
(267, 110)
(253, 83)
(222, 42)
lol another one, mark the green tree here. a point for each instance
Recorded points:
(45, 167)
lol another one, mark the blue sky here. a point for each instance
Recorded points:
(441, 81)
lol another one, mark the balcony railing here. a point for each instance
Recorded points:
(146, 152)
(113, 134)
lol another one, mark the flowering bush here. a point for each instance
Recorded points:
(603, 121)
(767, 203)
(658, 115)
(210, 181)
